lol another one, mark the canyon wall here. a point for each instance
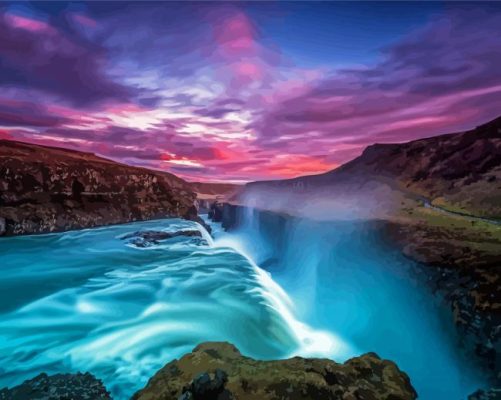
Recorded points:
(46, 189)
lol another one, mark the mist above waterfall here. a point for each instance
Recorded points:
(371, 200)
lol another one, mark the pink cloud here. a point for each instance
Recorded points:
(4, 134)
(84, 20)
(26, 23)
(235, 36)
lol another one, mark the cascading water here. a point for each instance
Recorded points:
(94, 301)
(344, 281)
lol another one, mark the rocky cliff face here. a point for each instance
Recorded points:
(209, 193)
(218, 371)
(45, 189)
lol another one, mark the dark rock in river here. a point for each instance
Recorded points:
(492, 394)
(148, 238)
(48, 189)
(58, 387)
(199, 375)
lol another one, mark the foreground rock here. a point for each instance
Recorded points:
(58, 387)
(218, 371)
(48, 189)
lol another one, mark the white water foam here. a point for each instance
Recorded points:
(312, 343)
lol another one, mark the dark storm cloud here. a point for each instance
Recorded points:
(21, 113)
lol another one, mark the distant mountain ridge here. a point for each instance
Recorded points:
(459, 171)
(211, 189)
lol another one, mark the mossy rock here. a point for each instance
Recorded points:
(366, 377)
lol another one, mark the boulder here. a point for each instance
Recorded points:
(216, 370)
(492, 394)
(149, 238)
(58, 387)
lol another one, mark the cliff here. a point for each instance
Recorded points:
(48, 189)
(214, 189)
(209, 193)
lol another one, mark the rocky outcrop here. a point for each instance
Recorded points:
(58, 387)
(492, 394)
(219, 371)
(46, 189)
(216, 212)
(207, 387)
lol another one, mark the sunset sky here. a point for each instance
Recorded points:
(244, 91)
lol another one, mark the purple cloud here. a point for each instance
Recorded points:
(36, 55)
(442, 77)
(215, 101)
(23, 113)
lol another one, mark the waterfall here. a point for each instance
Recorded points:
(340, 281)
(311, 342)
